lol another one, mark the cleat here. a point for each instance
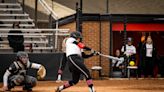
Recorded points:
(59, 81)
(57, 90)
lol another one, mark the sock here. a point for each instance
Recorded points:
(66, 85)
(59, 77)
(61, 87)
(92, 89)
(90, 85)
(59, 74)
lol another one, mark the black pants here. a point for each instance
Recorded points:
(149, 66)
(77, 67)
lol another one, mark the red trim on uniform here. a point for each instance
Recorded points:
(60, 71)
(66, 85)
(81, 45)
(138, 27)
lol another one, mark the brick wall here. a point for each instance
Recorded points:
(71, 26)
(105, 45)
(91, 37)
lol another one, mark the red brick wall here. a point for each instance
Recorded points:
(71, 26)
(105, 45)
(91, 37)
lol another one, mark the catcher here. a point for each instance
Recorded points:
(16, 75)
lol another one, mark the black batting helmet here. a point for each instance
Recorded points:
(76, 35)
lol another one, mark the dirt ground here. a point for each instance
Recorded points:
(110, 85)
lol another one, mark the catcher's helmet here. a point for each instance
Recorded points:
(76, 35)
(22, 54)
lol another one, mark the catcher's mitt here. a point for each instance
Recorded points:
(41, 73)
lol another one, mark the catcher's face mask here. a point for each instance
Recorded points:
(24, 59)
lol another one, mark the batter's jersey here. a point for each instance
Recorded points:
(72, 48)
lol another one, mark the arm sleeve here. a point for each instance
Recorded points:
(87, 48)
(87, 56)
(35, 65)
(5, 78)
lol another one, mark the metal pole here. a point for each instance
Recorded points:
(107, 6)
(125, 41)
(50, 15)
(80, 15)
(111, 43)
(125, 33)
(23, 4)
(36, 13)
(81, 5)
(100, 41)
(77, 16)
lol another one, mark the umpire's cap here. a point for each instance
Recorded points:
(76, 35)
(22, 54)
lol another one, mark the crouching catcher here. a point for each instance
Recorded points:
(16, 74)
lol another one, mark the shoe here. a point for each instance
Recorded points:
(27, 89)
(10, 86)
(57, 90)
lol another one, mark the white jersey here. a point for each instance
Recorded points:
(149, 50)
(118, 62)
(72, 48)
(130, 50)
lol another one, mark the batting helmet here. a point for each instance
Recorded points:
(76, 35)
